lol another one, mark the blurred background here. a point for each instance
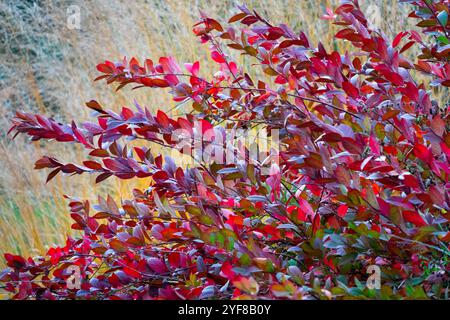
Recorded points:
(48, 67)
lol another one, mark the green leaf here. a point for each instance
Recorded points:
(195, 211)
(118, 246)
(206, 219)
(359, 285)
(245, 260)
(443, 40)
(427, 23)
(228, 170)
(443, 17)
(256, 198)
(233, 176)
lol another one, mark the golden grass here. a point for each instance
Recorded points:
(46, 67)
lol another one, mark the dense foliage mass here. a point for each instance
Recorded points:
(361, 177)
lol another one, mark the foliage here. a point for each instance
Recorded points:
(362, 177)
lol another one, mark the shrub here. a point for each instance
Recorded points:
(360, 178)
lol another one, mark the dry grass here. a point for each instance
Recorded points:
(46, 67)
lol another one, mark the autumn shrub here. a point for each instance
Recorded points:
(356, 178)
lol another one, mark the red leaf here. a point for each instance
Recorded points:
(113, 165)
(350, 89)
(414, 217)
(161, 83)
(227, 270)
(107, 67)
(132, 272)
(374, 146)
(393, 77)
(193, 68)
(390, 114)
(411, 181)
(398, 38)
(94, 105)
(344, 8)
(217, 57)
(342, 210)
(52, 174)
(438, 125)
(385, 208)
(162, 119)
(92, 165)
(316, 224)
(423, 153)
(214, 24)
(407, 46)
(305, 207)
(237, 17)
(344, 33)
(14, 261)
(99, 153)
(102, 177)
(156, 265)
(249, 20)
(140, 152)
